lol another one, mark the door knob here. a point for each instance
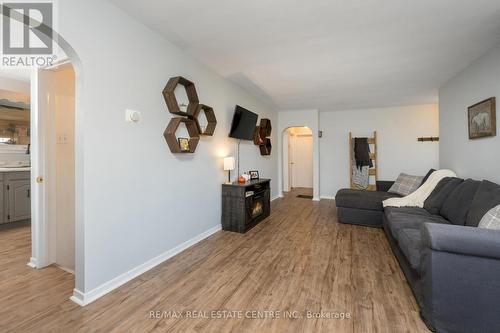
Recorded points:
(39, 179)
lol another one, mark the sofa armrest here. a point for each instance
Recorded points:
(459, 278)
(462, 240)
(384, 185)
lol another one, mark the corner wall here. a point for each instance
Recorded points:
(398, 149)
(141, 203)
(477, 158)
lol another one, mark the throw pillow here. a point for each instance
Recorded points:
(406, 184)
(457, 205)
(486, 197)
(441, 192)
(491, 220)
(427, 176)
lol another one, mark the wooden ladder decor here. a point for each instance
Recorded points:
(373, 172)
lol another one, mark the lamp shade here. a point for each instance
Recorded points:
(229, 163)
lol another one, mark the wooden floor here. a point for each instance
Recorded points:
(298, 260)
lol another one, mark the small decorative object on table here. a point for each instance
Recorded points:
(482, 119)
(183, 144)
(242, 180)
(254, 174)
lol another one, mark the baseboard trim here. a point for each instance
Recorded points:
(84, 299)
(316, 199)
(32, 263)
(276, 197)
(327, 197)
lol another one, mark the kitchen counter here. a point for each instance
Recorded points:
(16, 169)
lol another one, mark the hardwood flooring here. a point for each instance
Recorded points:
(299, 259)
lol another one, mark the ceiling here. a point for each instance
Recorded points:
(329, 54)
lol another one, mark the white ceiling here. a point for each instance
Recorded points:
(329, 54)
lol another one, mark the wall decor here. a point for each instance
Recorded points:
(170, 136)
(482, 119)
(183, 144)
(189, 116)
(171, 101)
(261, 136)
(211, 120)
(254, 174)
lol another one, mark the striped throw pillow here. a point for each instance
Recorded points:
(406, 184)
(491, 220)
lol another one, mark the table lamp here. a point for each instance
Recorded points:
(228, 166)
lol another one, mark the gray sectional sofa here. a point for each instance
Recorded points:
(452, 266)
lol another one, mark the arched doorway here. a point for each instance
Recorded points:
(297, 162)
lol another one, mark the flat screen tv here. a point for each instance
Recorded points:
(243, 125)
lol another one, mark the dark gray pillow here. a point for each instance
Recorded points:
(441, 192)
(457, 205)
(486, 197)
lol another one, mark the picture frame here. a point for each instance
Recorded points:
(254, 174)
(183, 144)
(481, 119)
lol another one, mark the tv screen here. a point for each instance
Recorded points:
(243, 125)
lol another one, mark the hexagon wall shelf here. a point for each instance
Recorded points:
(171, 137)
(211, 120)
(265, 149)
(261, 136)
(171, 100)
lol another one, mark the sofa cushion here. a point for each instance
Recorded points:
(486, 197)
(410, 243)
(457, 205)
(406, 184)
(440, 193)
(370, 200)
(413, 218)
(390, 211)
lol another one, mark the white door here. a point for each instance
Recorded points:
(52, 93)
(302, 161)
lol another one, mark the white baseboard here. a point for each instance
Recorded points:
(327, 197)
(69, 270)
(32, 263)
(276, 197)
(83, 299)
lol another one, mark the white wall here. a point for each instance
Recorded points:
(398, 150)
(140, 200)
(470, 158)
(10, 84)
(308, 118)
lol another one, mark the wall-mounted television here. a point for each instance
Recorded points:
(243, 124)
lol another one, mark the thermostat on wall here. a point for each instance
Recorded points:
(132, 116)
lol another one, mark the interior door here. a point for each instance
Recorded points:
(302, 161)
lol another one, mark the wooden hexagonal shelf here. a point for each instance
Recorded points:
(261, 136)
(265, 124)
(171, 137)
(171, 100)
(211, 120)
(265, 149)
